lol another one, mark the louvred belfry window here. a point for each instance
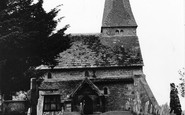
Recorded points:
(52, 103)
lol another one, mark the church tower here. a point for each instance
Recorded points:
(118, 19)
(119, 30)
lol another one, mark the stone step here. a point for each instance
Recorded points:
(117, 113)
(71, 113)
(106, 113)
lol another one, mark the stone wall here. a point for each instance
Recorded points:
(121, 31)
(119, 95)
(134, 95)
(78, 74)
(15, 107)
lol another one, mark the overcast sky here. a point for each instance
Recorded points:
(161, 32)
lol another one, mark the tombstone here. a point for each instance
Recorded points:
(146, 107)
(137, 104)
(151, 108)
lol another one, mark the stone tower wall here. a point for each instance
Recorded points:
(119, 32)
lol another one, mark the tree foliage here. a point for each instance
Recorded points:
(181, 86)
(27, 40)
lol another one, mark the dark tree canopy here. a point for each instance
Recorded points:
(27, 40)
(175, 105)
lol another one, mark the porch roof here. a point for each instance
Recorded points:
(89, 82)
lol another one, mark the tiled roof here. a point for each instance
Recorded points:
(100, 51)
(117, 13)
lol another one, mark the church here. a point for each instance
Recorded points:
(100, 72)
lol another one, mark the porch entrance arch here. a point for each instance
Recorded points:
(87, 98)
(87, 103)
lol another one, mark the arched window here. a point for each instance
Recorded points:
(94, 74)
(117, 32)
(121, 31)
(49, 75)
(105, 90)
(86, 74)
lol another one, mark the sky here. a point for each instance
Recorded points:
(161, 32)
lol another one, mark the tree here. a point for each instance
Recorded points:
(27, 40)
(3, 4)
(181, 86)
(175, 105)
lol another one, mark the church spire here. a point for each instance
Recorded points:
(117, 13)
(118, 18)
